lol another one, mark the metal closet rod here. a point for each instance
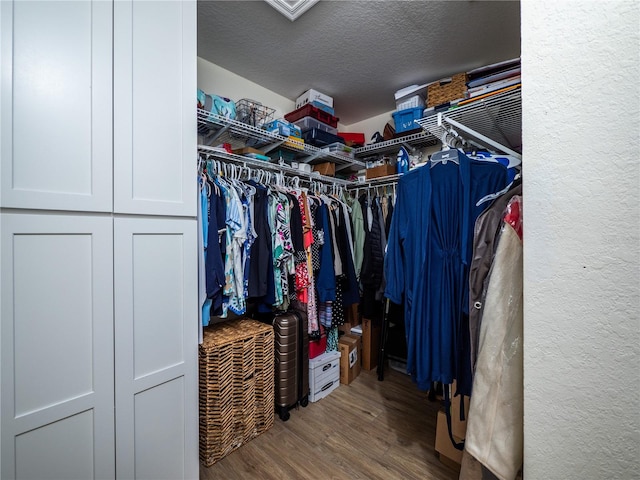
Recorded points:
(389, 180)
(225, 157)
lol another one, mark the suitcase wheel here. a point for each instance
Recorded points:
(283, 413)
(304, 401)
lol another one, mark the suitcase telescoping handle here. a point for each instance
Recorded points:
(326, 367)
(327, 386)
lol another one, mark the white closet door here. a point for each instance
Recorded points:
(55, 105)
(154, 107)
(156, 348)
(57, 347)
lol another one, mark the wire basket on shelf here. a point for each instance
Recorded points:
(253, 113)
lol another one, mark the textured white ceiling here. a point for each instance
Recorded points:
(359, 52)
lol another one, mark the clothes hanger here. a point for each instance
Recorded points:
(493, 196)
(447, 154)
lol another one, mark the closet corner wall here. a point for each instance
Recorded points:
(98, 334)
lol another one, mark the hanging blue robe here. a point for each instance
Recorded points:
(426, 266)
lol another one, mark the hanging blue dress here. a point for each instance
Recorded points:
(326, 278)
(426, 265)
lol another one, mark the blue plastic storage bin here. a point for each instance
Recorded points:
(284, 128)
(405, 119)
(324, 107)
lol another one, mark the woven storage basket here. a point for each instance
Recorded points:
(236, 386)
(445, 91)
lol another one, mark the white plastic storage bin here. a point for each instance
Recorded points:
(412, 96)
(411, 102)
(340, 148)
(307, 123)
(324, 375)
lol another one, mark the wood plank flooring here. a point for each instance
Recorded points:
(366, 430)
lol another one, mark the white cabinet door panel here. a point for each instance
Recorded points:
(158, 344)
(52, 282)
(57, 346)
(56, 105)
(156, 348)
(155, 122)
(159, 431)
(63, 449)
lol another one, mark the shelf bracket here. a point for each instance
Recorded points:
(478, 136)
(268, 148)
(313, 156)
(216, 135)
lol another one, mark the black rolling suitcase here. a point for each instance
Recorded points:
(291, 341)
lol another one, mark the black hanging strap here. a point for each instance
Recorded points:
(447, 409)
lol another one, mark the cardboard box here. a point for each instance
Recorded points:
(312, 95)
(352, 315)
(245, 150)
(380, 171)
(349, 347)
(370, 344)
(458, 427)
(359, 343)
(443, 443)
(352, 319)
(326, 168)
(345, 328)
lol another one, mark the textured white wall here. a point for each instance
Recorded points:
(581, 128)
(216, 80)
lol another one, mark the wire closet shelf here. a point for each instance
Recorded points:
(415, 140)
(490, 121)
(217, 129)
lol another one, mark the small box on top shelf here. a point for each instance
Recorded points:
(312, 95)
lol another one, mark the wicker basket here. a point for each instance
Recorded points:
(445, 91)
(236, 386)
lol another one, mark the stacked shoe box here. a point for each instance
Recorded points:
(316, 118)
